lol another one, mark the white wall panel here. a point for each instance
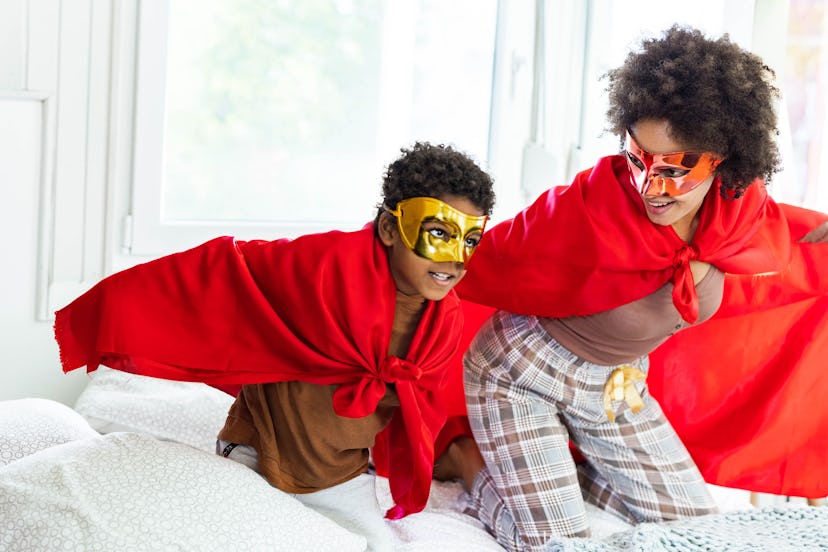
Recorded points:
(71, 141)
(29, 363)
(43, 33)
(54, 144)
(13, 15)
(82, 137)
(97, 135)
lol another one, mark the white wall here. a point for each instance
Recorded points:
(28, 354)
(54, 141)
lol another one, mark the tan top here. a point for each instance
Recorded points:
(628, 332)
(302, 444)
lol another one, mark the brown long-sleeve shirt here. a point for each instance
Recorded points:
(302, 444)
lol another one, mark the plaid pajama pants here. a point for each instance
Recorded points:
(527, 397)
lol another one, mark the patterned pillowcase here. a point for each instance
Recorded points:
(185, 412)
(30, 425)
(128, 491)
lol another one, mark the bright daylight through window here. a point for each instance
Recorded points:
(288, 111)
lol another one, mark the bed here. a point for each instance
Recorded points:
(132, 467)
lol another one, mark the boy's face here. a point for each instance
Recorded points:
(418, 275)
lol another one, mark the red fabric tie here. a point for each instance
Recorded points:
(360, 398)
(684, 288)
(395, 369)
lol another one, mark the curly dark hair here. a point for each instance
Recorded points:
(714, 95)
(427, 170)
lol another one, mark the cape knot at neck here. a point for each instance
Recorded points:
(684, 255)
(395, 369)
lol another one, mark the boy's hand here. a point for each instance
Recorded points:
(817, 235)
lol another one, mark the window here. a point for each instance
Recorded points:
(279, 117)
(615, 28)
(805, 81)
(266, 118)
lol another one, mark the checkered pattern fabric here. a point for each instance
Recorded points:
(527, 398)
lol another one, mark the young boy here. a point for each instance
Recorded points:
(339, 340)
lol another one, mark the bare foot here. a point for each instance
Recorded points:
(461, 460)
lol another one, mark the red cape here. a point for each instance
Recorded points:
(318, 309)
(746, 390)
(589, 247)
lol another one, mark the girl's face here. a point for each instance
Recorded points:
(678, 211)
(415, 275)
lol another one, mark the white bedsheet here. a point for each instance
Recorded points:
(130, 491)
(157, 485)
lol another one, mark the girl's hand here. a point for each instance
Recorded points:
(817, 235)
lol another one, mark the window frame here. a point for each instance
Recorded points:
(149, 235)
(145, 234)
(568, 145)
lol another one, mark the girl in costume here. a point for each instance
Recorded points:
(339, 341)
(593, 277)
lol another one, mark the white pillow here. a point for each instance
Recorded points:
(128, 491)
(30, 425)
(186, 412)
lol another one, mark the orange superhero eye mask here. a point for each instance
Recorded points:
(670, 174)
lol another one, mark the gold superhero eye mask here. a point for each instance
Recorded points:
(437, 231)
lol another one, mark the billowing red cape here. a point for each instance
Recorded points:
(747, 391)
(319, 309)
